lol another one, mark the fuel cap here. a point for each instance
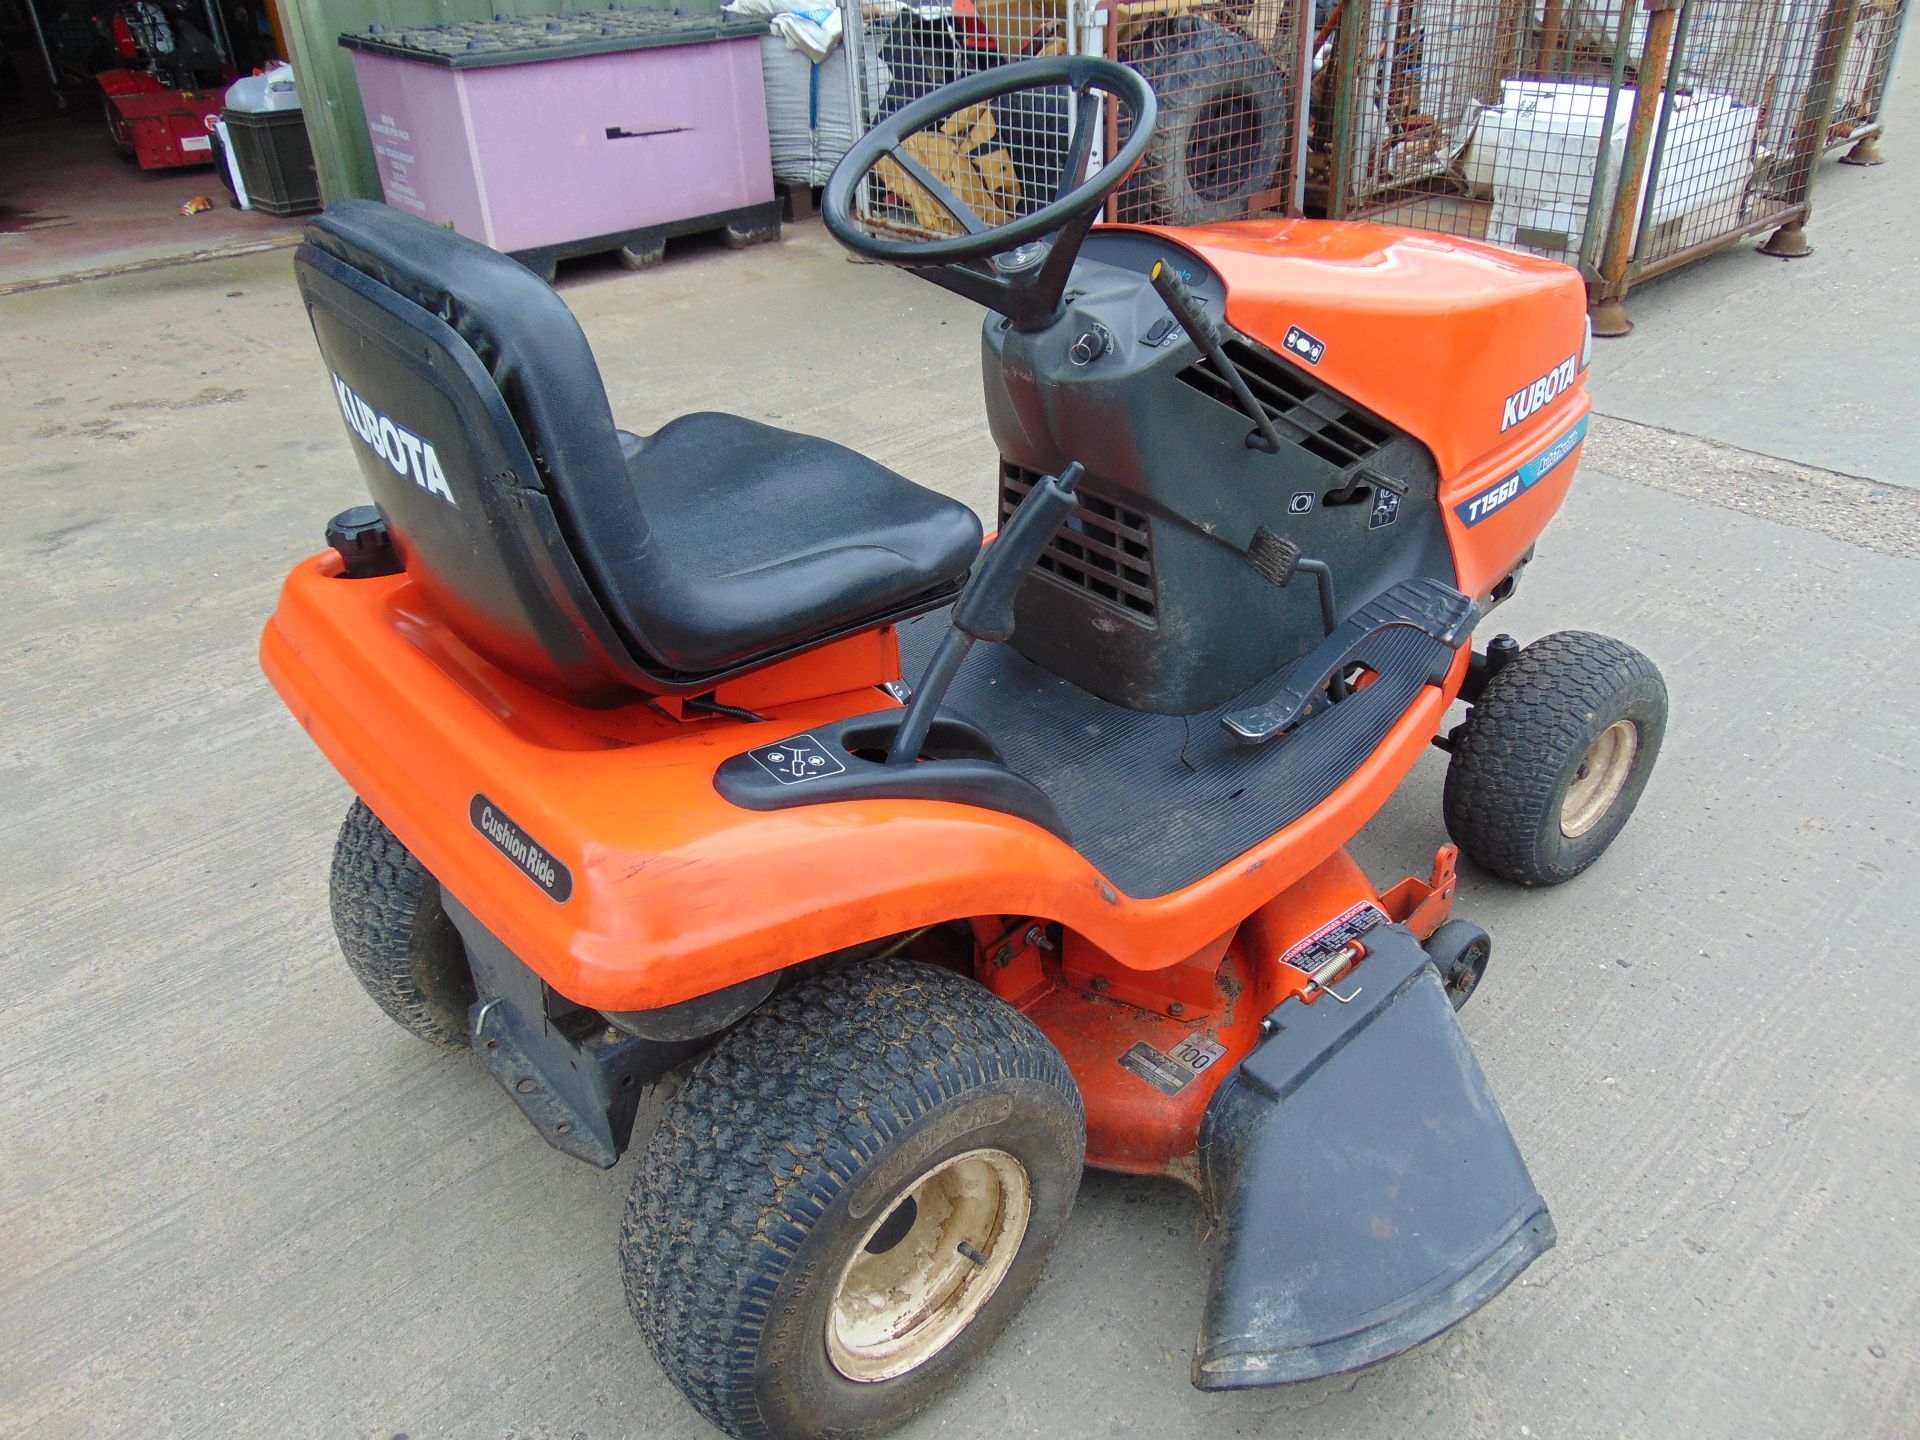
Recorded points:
(364, 543)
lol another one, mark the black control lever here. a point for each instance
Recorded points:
(1276, 559)
(984, 610)
(1204, 333)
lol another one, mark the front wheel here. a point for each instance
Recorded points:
(848, 1199)
(1554, 756)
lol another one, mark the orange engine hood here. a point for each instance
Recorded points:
(1431, 333)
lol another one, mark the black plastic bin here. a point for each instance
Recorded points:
(275, 160)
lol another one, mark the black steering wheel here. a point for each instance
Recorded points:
(1008, 267)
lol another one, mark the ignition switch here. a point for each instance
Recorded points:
(1090, 346)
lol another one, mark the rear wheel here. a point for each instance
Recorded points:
(848, 1199)
(1554, 756)
(395, 933)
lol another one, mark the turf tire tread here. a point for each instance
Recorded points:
(766, 1131)
(386, 909)
(1504, 782)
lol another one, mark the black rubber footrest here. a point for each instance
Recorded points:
(1436, 610)
(1155, 802)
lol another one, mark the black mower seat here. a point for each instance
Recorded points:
(769, 534)
(586, 559)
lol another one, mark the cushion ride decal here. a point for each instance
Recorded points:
(1502, 493)
(534, 860)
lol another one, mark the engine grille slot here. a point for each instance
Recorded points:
(1316, 420)
(1103, 549)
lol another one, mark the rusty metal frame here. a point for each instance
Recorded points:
(1878, 84)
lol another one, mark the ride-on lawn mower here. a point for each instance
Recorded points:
(940, 871)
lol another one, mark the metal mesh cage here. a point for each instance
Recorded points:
(1734, 139)
(1521, 122)
(1222, 71)
(1868, 70)
(1482, 118)
(1002, 159)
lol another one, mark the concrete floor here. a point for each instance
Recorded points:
(70, 205)
(239, 1202)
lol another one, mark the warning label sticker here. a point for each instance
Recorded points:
(1334, 936)
(797, 758)
(1170, 1073)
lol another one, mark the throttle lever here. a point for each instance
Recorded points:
(1205, 334)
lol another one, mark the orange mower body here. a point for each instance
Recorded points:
(724, 752)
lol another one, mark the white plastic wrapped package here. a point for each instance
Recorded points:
(272, 90)
(806, 25)
(1537, 152)
(809, 102)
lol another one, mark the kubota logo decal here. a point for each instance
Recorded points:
(1529, 398)
(1502, 493)
(405, 451)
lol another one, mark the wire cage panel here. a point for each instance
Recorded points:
(1221, 71)
(1730, 152)
(1490, 119)
(1548, 159)
(1868, 70)
(1004, 159)
(1521, 122)
(1418, 74)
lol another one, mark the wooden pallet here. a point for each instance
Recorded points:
(645, 248)
(798, 201)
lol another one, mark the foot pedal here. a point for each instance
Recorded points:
(1429, 606)
(1273, 557)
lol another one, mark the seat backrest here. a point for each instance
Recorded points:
(469, 390)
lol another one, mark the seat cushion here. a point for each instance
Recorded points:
(763, 539)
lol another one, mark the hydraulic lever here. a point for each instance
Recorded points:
(984, 610)
(1204, 333)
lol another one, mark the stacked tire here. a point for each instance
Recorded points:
(1224, 121)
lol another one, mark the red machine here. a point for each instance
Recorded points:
(161, 105)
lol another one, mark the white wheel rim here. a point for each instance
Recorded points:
(896, 1308)
(1600, 779)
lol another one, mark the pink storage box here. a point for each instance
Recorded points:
(548, 136)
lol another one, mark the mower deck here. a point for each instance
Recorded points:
(1155, 802)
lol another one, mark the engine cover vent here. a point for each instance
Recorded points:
(1316, 420)
(1103, 549)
